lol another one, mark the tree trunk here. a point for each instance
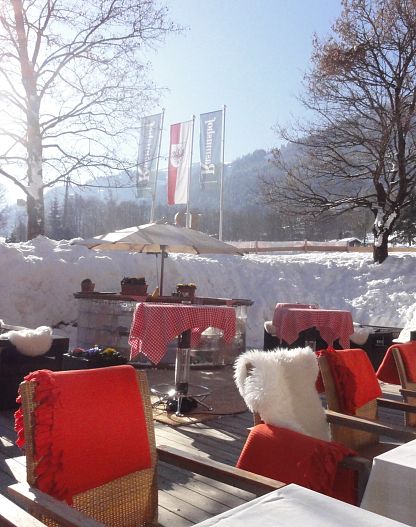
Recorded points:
(35, 204)
(381, 251)
(35, 216)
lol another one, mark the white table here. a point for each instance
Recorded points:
(293, 505)
(391, 488)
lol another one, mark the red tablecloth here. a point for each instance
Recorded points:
(332, 324)
(154, 325)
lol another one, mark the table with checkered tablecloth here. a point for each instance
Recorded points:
(155, 325)
(332, 324)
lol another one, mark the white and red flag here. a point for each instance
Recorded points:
(180, 158)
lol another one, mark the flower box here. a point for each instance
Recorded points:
(186, 290)
(134, 289)
(134, 286)
(71, 362)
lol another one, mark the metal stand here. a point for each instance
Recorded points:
(311, 336)
(167, 392)
(182, 367)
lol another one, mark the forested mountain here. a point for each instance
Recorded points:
(104, 204)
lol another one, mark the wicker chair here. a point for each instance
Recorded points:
(130, 498)
(353, 400)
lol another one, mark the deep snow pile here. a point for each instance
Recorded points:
(38, 279)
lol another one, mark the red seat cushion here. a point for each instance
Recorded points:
(291, 457)
(89, 428)
(354, 378)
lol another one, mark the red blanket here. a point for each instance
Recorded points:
(291, 457)
(355, 381)
(89, 428)
(387, 371)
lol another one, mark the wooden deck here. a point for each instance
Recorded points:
(184, 498)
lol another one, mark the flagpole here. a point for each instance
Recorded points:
(188, 216)
(152, 209)
(222, 176)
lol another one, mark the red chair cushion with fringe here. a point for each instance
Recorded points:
(291, 457)
(387, 371)
(354, 378)
(89, 429)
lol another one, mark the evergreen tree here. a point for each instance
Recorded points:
(54, 229)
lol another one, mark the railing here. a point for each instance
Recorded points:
(308, 246)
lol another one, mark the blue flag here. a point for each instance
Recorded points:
(210, 140)
(148, 151)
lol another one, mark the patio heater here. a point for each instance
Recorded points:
(180, 400)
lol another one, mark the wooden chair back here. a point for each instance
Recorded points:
(408, 387)
(353, 438)
(128, 500)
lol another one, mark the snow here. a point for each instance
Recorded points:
(39, 278)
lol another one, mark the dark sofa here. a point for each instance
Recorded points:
(14, 366)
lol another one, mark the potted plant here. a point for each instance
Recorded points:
(87, 285)
(186, 290)
(134, 286)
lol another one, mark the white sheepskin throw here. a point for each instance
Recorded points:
(31, 342)
(281, 388)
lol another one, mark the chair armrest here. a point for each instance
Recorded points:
(236, 477)
(409, 393)
(362, 466)
(397, 432)
(398, 405)
(45, 505)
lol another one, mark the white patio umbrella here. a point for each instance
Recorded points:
(159, 238)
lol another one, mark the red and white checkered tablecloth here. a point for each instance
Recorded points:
(155, 325)
(332, 324)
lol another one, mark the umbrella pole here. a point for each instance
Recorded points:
(162, 268)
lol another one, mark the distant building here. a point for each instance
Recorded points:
(351, 242)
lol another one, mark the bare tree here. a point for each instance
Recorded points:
(73, 86)
(358, 149)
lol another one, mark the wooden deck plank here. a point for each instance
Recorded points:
(218, 446)
(168, 518)
(183, 508)
(224, 494)
(187, 493)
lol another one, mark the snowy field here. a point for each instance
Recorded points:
(38, 280)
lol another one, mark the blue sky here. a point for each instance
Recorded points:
(247, 54)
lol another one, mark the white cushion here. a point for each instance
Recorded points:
(281, 388)
(31, 342)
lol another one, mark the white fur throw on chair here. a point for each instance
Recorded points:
(31, 342)
(281, 388)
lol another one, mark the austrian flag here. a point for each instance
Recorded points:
(180, 154)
